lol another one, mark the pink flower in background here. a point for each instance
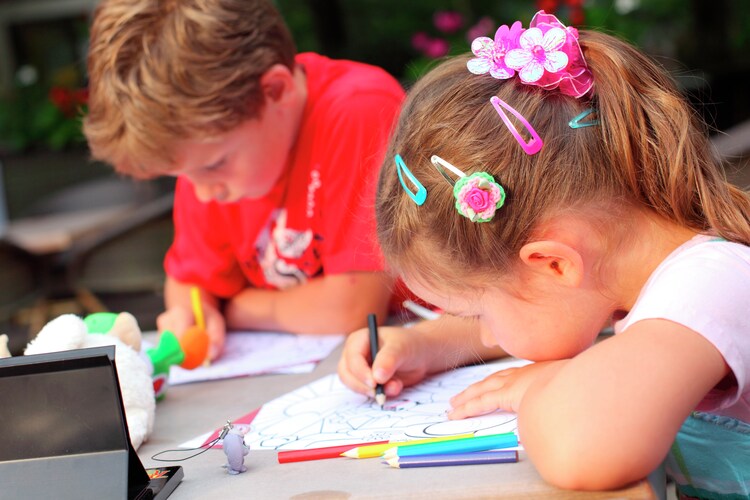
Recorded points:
(437, 48)
(429, 46)
(448, 21)
(481, 28)
(420, 40)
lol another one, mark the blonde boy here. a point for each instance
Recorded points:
(275, 155)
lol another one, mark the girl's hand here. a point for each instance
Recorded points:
(502, 390)
(178, 319)
(402, 361)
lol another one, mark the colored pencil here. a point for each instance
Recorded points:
(200, 321)
(479, 457)
(195, 298)
(376, 450)
(420, 310)
(318, 453)
(372, 323)
(466, 445)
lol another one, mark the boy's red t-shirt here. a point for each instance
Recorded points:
(319, 218)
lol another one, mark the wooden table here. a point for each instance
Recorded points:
(191, 410)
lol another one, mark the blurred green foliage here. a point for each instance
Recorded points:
(706, 45)
(32, 116)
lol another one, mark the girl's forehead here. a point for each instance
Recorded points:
(453, 298)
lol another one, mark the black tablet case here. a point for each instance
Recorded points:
(63, 432)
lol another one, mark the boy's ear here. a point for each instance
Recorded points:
(556, 260)
(277, 83)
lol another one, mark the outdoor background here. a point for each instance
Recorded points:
(705, 45)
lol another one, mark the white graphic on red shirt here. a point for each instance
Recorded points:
(282, 244)
(314, 185)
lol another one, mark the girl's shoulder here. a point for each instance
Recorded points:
(709, 250)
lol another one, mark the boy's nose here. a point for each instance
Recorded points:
(211, 192)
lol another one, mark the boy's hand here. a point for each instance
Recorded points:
(502, 390)
(178, 319)
(401, 361)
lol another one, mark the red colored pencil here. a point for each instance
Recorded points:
(318, 453)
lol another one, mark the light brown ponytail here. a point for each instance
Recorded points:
(666, 159)
(650, 150)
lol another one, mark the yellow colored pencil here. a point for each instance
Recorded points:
(376, 450)
(195, 297)
(200, 322)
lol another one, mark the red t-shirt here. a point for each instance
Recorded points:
(319, 218)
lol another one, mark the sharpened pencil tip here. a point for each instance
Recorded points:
(380, 399)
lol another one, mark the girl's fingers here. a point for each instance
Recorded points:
(493, 382)
(352, 382)
(354, 366)
(393, 387)
(479, 405)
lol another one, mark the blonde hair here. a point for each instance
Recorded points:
(650, 151)
(161, 71)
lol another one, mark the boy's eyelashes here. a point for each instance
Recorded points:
(214, 166)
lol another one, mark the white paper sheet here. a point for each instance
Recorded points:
(326, 413)
(254, 353)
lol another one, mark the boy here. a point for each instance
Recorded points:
(275, 155)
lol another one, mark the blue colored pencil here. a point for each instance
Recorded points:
(466, 445)
(479, 457)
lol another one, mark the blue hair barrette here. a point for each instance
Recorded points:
(421, 193)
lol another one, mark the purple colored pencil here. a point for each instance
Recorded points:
(479, 457)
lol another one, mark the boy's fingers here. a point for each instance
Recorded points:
(216, 331)
(175, 320)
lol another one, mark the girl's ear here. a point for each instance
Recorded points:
(555, 260)
(277, 84)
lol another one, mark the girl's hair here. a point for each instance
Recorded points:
(650, 150)
(161, 71)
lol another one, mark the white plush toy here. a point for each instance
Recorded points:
(69, 331)
(4, 352)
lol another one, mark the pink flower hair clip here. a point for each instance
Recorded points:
(477, 196)
(547, 55)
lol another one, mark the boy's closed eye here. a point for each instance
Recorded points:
(215, 165)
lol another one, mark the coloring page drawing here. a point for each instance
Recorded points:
(326, 413)
(253, 353)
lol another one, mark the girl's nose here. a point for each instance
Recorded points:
(485, 335)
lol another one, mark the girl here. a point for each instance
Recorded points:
(538, 190)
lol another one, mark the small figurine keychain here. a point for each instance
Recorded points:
(233, 443)
(235, 449)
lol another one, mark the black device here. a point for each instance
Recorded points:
(63, 432)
